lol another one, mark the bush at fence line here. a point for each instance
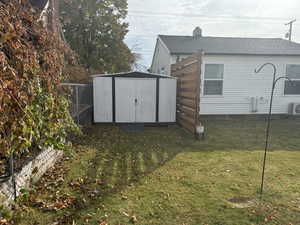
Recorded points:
(31, 64)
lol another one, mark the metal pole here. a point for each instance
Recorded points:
(291, 28)
(274, 82)
(12, 172)
(291, 31)
(267, 139)
(77, 104)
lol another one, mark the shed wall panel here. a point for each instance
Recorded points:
(167, 100)
(102, 99)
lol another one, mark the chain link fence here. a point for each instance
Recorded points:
(81, 99)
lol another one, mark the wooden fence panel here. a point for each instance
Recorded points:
(188, 73)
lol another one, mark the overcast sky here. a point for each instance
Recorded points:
(227, 18)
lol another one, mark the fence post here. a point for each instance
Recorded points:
(13, 178)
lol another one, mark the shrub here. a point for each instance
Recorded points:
(32, 112)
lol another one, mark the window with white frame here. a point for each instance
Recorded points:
(213, 79)
(292, 72)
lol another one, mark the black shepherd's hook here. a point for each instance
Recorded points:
(269, 118)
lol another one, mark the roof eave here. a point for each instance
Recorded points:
(131, 72)
(249, 54)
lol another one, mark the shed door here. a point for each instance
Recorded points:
(135, 100)
(146, 100)
(125, 96)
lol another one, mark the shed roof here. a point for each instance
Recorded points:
(134, 74)
(230, 45)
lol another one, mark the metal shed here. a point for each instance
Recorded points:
(134, 97)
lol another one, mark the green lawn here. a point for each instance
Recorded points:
(162, 176)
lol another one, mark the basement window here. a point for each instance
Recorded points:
(213, 79)
(292, 72)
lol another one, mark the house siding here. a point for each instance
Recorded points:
(240, 84)
(161, 59)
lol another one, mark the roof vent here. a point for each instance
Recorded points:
(197, 32)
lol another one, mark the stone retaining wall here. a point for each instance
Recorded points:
(30, 173)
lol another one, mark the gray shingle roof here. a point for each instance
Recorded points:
(230, 45)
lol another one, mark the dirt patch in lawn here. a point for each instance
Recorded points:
(242, 202)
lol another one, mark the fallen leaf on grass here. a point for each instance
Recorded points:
(77, 183)
(103, 223)
(61, 203)
(133, 219)
(125, 214)
(124, 197)
(99, 182)
(4, 222)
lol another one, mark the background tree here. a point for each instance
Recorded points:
(96, 31)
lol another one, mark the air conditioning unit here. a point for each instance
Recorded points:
(294, 109)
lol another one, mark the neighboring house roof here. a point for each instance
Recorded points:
(230, 45)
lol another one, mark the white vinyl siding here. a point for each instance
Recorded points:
(241, 86)
(161, 63)
(292, 87)
(213, 79)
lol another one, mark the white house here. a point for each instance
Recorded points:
(228, 82)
